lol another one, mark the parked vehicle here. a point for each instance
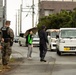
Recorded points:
(36, 40)
(16, 39)
(22, 40)
(51, 33)
(66, 41)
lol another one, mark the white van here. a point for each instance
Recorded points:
(66, 41)
(52, 38)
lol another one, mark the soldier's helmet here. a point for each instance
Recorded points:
(7, 22)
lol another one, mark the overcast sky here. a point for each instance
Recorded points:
(12, 9)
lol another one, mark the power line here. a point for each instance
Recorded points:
(27, 13)
(33, 12)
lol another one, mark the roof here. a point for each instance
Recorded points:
(67, 28)
(52, 30)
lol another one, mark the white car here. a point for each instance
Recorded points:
(16, 39)
(22, 40)
(36, 40)
(52, 38)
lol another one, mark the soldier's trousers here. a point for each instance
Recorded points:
(6, 52)
(43, 51)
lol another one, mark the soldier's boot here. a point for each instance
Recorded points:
(0, 70)
(6, 67)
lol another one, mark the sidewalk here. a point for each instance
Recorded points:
(24, 66)
(32, 67)
(55, 65)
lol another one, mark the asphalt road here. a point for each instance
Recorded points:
(55, 65)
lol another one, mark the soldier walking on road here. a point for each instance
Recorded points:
(6, 42)
(43, 42)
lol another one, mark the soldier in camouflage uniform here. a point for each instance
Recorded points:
(6, 47)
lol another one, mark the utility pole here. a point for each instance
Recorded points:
(32, 13)
(16, 26)
(39, 9)
(18, 21)
(21, 6)
(4, 12)
(5, 6)
(21, 10)
(20, 18)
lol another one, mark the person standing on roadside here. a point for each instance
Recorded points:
(6, 42)
(0, 39)
(0, 44)
(30, 44)
(43, 43)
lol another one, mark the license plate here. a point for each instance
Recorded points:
(66, 49)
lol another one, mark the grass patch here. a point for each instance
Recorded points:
(12, 60)
(0, 67)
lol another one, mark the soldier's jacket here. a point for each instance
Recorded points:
(11, 33)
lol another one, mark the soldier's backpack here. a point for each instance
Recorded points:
(4, 32)
(6, 36)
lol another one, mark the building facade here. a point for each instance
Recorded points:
(49, 7)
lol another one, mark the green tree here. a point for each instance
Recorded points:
(59, 20)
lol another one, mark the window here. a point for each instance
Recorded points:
(68, 10)
(21, 34)
(68, 33)
(48, 11)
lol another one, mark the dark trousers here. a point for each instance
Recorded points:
(43, 50)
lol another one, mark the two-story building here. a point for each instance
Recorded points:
(47, 7)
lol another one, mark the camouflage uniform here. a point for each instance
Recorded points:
(6, 48)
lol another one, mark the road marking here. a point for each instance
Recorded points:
(64, 63)
(50, 63)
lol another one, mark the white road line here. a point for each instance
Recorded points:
(50, 63)
(64, 63)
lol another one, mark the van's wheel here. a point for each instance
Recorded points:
(58, 52)
(20, 43)
(50, 48)
(75, 53)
